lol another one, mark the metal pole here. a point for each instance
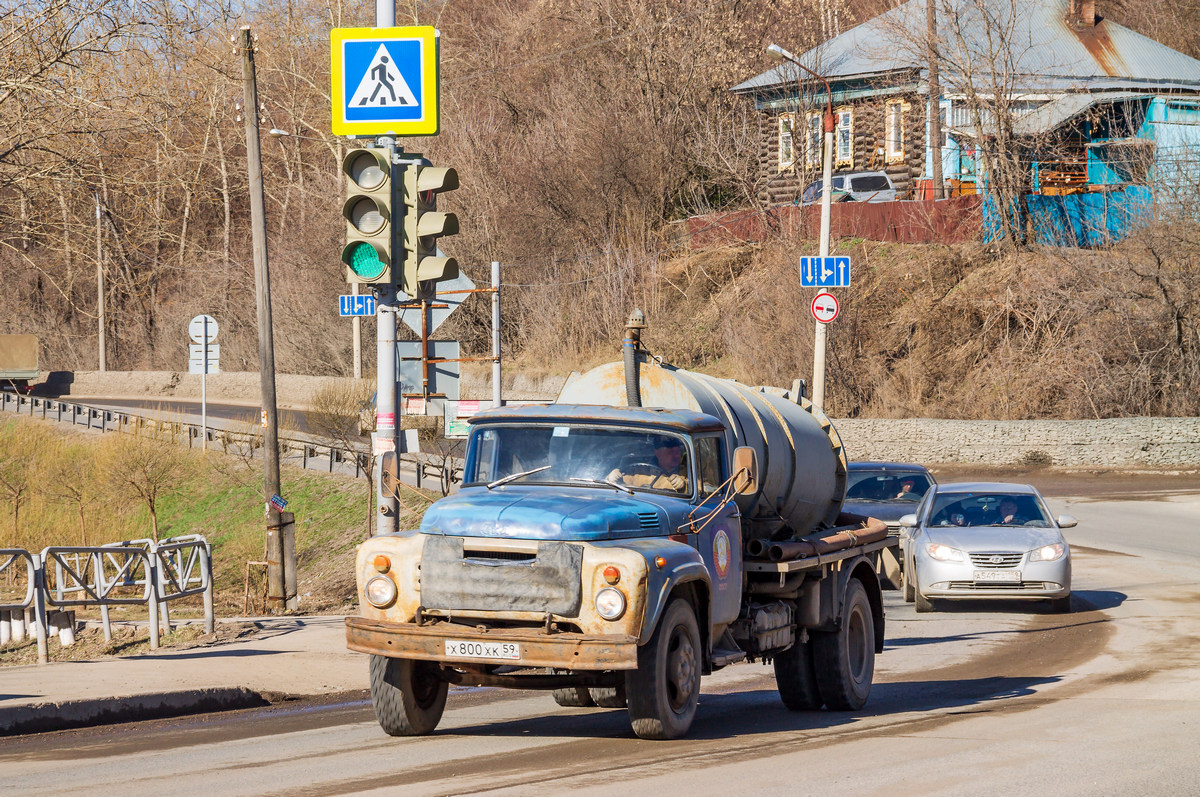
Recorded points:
(100, 283)
(266, 348)
(934, 114)
(210, 618)
(818, 395)
(39, 604)
(356, 325)
(496, 398)
(204, 393)
(385, 13)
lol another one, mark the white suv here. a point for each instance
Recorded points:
(857, 186)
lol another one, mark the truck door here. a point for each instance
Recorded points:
(719, 539)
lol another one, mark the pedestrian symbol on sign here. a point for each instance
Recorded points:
(382, 85)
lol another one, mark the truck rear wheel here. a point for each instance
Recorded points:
(796, 679)
(408, 696)
(845, 658)
(665, 688)
(574, 697)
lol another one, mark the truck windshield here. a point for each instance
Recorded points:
(567, 454)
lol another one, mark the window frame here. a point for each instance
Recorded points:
(893, 131)
(788, 120)
(814, 139)
(845, 121)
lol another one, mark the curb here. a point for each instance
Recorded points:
(43, 717)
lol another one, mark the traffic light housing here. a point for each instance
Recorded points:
(422, 267)
(368, 213)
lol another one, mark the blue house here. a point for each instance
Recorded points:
(1102, 123)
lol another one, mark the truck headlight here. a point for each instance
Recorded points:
(380, 592)
(610, 603)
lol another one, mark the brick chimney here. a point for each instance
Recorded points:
(1082, 13)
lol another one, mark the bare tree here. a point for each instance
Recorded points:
(145, 468)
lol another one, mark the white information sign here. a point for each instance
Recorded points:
(202, 328)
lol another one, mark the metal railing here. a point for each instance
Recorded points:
(129, 573)
(302, 451)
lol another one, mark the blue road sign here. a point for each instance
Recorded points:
(829, 272)
(357, 305)
(384, 80)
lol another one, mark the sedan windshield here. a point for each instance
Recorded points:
(886, 485)
(570, 454)
(988, 509)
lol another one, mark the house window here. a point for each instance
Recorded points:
(786, 151)
(845, 137)
(816, 133)
(893, 133)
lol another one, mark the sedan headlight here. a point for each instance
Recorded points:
(380, 592)
(610, 603)
(1048, 553)
(944, 553)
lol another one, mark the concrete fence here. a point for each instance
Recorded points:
(1115, 442)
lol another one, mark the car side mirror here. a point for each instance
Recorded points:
(908, 521)
(745, 470)
(1067, 521)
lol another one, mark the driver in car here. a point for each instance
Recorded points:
(1009, 513)
(660, 471)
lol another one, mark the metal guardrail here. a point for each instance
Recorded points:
(301, 451)
(9, 557)
(129, 573)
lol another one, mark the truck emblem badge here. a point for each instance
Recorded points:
(721, 552)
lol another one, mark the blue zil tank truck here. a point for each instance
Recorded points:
(570, 561)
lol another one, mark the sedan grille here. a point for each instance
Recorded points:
(1027, 586)
(996, 559)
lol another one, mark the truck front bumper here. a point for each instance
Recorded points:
(428, 642)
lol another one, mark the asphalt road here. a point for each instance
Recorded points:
(990, 699)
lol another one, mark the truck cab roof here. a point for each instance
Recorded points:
(685, 421)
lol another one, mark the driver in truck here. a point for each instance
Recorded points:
(661, 471)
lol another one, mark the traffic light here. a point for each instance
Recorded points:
(422, 226)
(368, 212)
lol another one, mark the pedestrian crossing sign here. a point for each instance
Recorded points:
(384, 81)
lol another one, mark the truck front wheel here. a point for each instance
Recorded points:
(665, 688)
(408, 696)
(845, 658)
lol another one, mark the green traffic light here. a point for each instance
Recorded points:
(363, 260)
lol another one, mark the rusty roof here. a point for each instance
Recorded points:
(1047, 52)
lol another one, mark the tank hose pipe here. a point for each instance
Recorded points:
(633, 339)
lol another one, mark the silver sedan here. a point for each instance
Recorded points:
(986, 541)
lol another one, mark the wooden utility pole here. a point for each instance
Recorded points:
(935, 101)
(281, 568)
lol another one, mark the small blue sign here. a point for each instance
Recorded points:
(357, 305)
(828, 272)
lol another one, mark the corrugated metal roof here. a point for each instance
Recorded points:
(1047, 51)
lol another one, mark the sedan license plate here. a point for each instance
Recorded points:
(462, 649)
(998, 576)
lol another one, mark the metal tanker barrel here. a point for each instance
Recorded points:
(802, 468)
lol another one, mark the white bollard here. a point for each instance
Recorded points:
(18, 625)
(5, 627)
(63, 624)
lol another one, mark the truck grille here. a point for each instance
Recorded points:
(996, 559)
(457, 578)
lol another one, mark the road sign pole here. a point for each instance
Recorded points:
(818, 394)
(204, 393)
(387, 408)
(496, 398)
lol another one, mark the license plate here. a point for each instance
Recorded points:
(1005, 576)
(463, 649)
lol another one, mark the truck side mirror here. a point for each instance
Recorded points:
(745, 470)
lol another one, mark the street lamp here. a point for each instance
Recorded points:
(818, 391)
